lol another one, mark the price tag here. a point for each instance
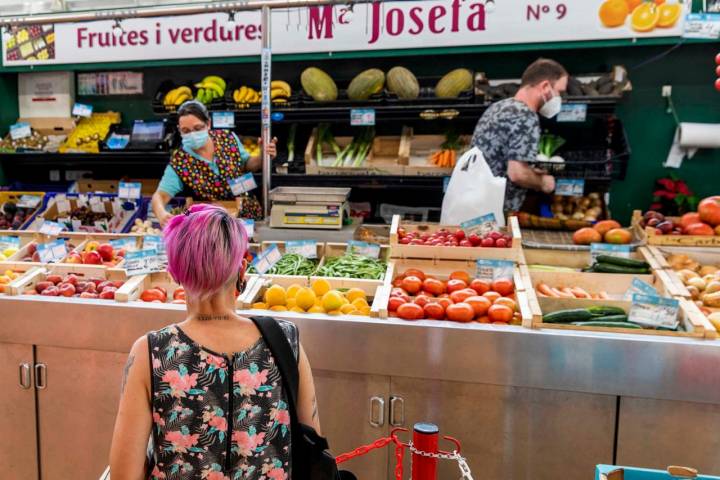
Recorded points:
(20, 130)
(480, 225)
(63, 204)
(572, 112)
(306, 248)
(267, 259)
(29, 201)
(52, 251)
(153, 242)
(82, 110)
(127, 244)
(494, 269)
(249, 227)
(362, 117)
(641, 287)
(82, 200)
(97, 206)
(702, 25)
(223, 119)
(130, 190)
(51, 228)
(102, 225)
(242, 184)
(117, 207)
(75, 225)
(364, 249)
(622, 251)
(570, 187)
(654, 311)
(142, 262)
(9, 242)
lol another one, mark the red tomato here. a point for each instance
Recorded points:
(500, 313)
(412, 284)
(179, 294)
(460, 235)
(460, 312)
(479, 304)
(504, 286)
(410, 311)
(461, 295)
(484, 319)
(398, 281)
(455, 285)
(445, 302)
(434, 310)
(152, 295)
(434, 286)
(460, 275)
(414, 272)
(492, 296)
(394, 303)
(508, 302)
(480, 286)
(421, 300)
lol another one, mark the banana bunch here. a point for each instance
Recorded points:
(210, 88)
(246, 95)
(176, 97)
(280, 92)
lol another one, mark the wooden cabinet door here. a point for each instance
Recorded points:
(18, 427)
(510, 432)
(344, 405)
(76, 410)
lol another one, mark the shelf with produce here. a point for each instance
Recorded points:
(687, 231)
(69, 280)
(151, 288)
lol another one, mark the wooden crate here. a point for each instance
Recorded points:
(382, 159)
(577, 259)
(377, 293)
(16, 261)
(14, 197)
(398, 250)
(691, 319)
(149, 186)
(18, 271)
(333, 249)
(40, 274)
(133, 288)
(117, 223)
(418, 157)
(652, 238)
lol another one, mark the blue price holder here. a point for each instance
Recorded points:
(654, 311)
(223, 119)
(624, 251)
(142, 262)
(570, 187)
(480, 225)
(362, 117)
(20, 130)
(242, 184)
(153, 242)
(364, 249)
(29, 201)
(306, 248)
(82, 110)
(267, 259)
(494, 269)
(249, 227)
(52, 252)
(641, 287)
(51, 228)
(130, 190)
(127, 244)
(9, 242)
(573, 112)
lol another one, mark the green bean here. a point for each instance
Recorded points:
(294, 264)
(353, 266)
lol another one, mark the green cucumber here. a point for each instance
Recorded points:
(602, 310)
(622, 262)
(568, 316)
(612, 268)
(611, 319)
(628, 325)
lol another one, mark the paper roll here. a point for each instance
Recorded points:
(699, 135)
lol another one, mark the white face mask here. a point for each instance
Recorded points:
(551, 107)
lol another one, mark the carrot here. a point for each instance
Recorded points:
(453, 156)
(545, 290)
(563, 294)
(603, 296)
(579, 292)
(541, 295)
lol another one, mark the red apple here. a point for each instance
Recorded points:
(699, 229)
(96, 281)
(709, 210)
(92, 258)
(74, 258)
(106, 251)
(88, 295)
(66, 289)
(90, 288)
(488, 242)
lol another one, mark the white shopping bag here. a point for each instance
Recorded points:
(473, 191)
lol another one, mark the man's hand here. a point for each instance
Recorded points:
(548, 184)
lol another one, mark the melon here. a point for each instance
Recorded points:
(366, 84)
(454, 83)
(319, 85)
(403, 83)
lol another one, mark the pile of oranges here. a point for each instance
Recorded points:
(644, 15)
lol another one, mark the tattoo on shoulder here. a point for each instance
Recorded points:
(315, 408)
(126, 372)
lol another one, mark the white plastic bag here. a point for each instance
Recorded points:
(473, 191)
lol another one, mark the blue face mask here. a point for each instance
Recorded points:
(195, 140)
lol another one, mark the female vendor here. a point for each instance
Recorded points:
(206, 162)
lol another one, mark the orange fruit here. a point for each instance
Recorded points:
(645, 17)
(613, 13)
(633, 4)
(669, 14)
(659, 2)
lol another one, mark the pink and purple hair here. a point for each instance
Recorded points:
(205, 248)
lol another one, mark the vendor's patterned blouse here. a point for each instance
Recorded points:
(217, 417)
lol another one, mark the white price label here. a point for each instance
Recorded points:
(82, 110)
(480, 225)
(267, 259)
(702, 25)
(144, 261)
(117, 207)
(20, 130)
(494, 269)
(641, 287)
(653, 311)
(364, 249)
(130, 190)
(75, 225)
(97, 207)
(52, 252)
(612, 250)
(51, 228)
(29, 201)
(223, 119)
(242, 184)
(102, 225)
(249, 227)
(63, 205)
(570, 187)
(572, 112)
(306, 248)
(362, 117)
(127, 244)
(153, 242)
(9, 242)
(82, 200)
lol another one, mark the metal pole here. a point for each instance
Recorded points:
(266, 64)
(425, 439)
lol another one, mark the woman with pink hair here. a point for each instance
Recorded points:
(208, 390)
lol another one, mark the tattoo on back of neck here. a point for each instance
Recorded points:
(205, 317)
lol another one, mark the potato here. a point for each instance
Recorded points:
(697, 282)
(694, 292)
(708, 270)
(712, 286)
(715, 320)
(686, 275)
(712, 300)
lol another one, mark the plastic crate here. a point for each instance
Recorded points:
(14, 197)
(613, 472)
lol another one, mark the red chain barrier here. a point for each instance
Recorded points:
(360, 451)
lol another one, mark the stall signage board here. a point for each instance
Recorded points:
(641, 287)
(306, 248)
(339, 28)
(596, 249)
(51, 228)
(654, 311)
(494, 269)
(267, 259)
(223, 119)
(8, 242)
(82, 110)
(143, 262)
(364, 249)
(130, 190)
(242, 184)
(480, 225)
(20, 130)
(573, 112)
(570, 187)
(52, 251)
(702, 25)
(362, 117)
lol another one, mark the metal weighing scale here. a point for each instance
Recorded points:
(306, 207)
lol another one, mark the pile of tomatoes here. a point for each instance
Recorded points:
(417, 296)
(458, 238)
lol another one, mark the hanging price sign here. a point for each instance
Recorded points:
(51, 228)
(364, 249)
(306, 248)
(130, 190)
(267, 259)
(52, 252)
(144, 261)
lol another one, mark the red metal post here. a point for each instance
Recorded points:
(425, 439)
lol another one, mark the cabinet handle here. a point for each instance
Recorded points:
(397, 411)
(377, 411)
(25, 378)
(41, 376)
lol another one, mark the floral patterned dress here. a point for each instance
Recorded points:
(218, 417)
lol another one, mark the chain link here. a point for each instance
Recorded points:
(399, 454)
(360, 451)
(465, 472)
